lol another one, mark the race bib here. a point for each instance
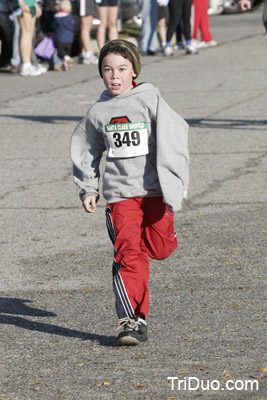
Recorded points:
(127, 139)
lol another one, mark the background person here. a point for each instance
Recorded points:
(63, 25)
(149, 40)
(15, 60)
(108, 17)
(179, 12)
(162, 21)
(87, 12)
(202, 24)
(246, 5)
(27, 19)
(184, 29)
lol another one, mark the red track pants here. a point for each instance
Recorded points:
(139, 228)
(201, 20)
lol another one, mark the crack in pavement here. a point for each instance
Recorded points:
(217, 183)
(26, 187)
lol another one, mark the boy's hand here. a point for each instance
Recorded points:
(89, 204)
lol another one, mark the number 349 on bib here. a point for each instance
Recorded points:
(126, 140)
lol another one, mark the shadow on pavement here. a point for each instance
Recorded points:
(225, 123)
(17, 306)
(45, 119)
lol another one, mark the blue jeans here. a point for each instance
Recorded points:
(149, 39)
(15, 60)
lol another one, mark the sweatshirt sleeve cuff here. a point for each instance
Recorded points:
(83, 194)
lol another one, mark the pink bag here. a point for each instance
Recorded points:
(46, 48)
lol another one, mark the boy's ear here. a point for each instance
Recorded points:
(134, 76)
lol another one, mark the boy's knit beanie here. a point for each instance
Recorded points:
(114, 46)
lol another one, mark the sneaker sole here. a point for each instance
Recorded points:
(89, 62)
(128, 341)
(26, 74)
(29, 76)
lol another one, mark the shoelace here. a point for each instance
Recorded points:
(129, 323)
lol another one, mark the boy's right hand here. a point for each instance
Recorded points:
(89, 204)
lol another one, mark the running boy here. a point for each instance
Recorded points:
(144, 181)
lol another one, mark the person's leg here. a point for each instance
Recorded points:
(175, 10)
(162, 31)
(179, 31)
(131, 264)
(186, 17)
(60, 50)
(162, 25)
(55, 63)
(87, 56)
(158, 237)
(204, 22)
(101, 30)
(197, 17)
(112, 22)
(86, 27)
(148, 41)
(66, 58)
(15, 60)
(264, 15)
(27, 23)
(68, 47)
(34, 59)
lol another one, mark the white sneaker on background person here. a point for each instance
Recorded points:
(190, 49)
(201, 45)
(88, 58)
(28, 69)
(211, 43)
(168, 51)
(195, 42)
(204, 45)
(41, 68)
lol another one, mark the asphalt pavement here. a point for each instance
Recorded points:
(207, 328)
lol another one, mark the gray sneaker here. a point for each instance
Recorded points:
(133, 331)
(14, 69)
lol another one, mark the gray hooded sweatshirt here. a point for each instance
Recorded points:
(146, 143)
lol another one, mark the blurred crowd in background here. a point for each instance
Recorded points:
(56, 31)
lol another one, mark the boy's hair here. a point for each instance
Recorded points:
(65, 5)
(124, 48)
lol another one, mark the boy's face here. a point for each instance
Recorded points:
(117, 73)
